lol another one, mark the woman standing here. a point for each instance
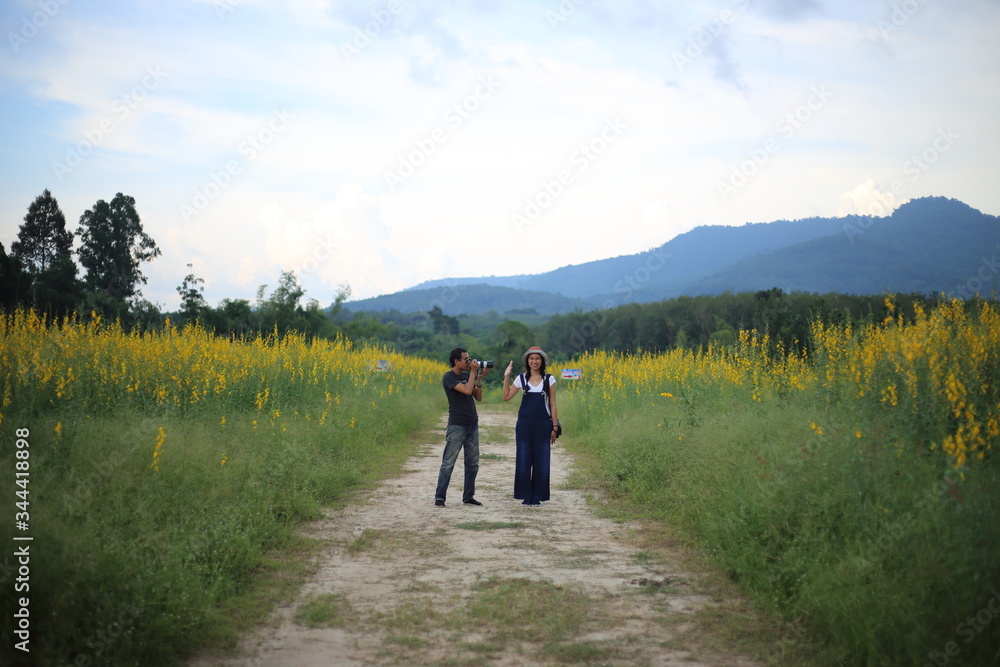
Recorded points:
(534, 432)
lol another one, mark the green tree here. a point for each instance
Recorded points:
(43, 237)
(192, 293)
(114, 246)
(44, 250)
(515, 338)
(282, 312)
(724, 335)
(364, 326)
(343, 292)
(443, 324)
(14, 284)
(233, 317)
(278, 310)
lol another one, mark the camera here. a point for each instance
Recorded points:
(486, 364)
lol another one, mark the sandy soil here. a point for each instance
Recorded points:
(405, 577)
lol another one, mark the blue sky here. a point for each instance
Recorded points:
(379, 144)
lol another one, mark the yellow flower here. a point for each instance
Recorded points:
(161, 437)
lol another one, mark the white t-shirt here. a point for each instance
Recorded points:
(531, 388)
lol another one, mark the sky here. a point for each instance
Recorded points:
(376, 145)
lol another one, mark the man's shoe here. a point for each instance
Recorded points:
(438, 503)
(472, 501)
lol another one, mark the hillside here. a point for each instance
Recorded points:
(928, 245)
(457, 298)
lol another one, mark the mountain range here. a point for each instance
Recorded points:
(928, 245)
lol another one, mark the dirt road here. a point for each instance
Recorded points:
(403, 582)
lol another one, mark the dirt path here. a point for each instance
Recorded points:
(403, 582)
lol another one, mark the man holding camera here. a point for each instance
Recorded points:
(463, 385)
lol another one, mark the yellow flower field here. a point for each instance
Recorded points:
(938, 371)
(176, 462)
(97, 367)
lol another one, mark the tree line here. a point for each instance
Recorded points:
(690, 322)
(40, 272)
(694, 322)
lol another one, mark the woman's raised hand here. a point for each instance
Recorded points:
(510, 367)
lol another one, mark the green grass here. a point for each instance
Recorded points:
(325, 610)
(826, 530)
(387, 544)
(490, 525)
(513, 610)
(185, 558)
(539, 620)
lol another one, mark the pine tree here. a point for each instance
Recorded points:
(43, 237)
(44, 251)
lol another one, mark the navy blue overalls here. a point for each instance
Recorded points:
(534, 450)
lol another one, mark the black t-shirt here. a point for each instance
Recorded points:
(461, 408)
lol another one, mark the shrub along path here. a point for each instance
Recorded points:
(403, 582)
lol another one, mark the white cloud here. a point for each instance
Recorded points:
(867, 199)
(315, 199)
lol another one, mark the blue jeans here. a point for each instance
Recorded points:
(457, 437)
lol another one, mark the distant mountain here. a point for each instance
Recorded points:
(497, 281)
(671, 266)
(928, 245)
(462, 298)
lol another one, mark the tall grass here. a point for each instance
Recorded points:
(855, 490)
(169, 470)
